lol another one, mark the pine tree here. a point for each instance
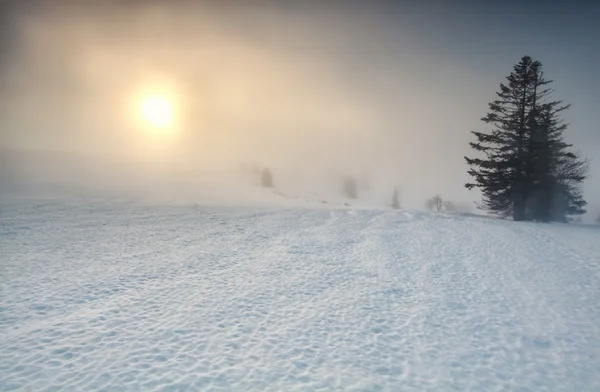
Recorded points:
(500, 175)
(528, 171)
(554, 173)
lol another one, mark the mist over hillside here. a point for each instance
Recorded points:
(315, 92)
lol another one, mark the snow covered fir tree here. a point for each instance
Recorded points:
(525, 169)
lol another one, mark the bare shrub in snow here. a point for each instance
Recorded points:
(436, 203)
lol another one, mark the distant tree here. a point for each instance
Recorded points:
(598, 219)
(396, 199)
(350, 187)
(266, 178)
(436, 203)
(527, 171)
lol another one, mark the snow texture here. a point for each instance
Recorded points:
(132, 296)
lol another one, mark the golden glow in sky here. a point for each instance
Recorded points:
(158, 111)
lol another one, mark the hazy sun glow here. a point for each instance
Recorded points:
(158, 111)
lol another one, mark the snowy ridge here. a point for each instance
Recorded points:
(144, 297)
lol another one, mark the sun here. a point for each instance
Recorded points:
(158, 111)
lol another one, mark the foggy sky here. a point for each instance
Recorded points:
(385, 87)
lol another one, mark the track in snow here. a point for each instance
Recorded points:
(116, 296)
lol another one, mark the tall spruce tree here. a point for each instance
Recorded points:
(501, 174)
(527, 171)
(555, 173)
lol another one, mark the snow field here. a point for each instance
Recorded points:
(148, 297)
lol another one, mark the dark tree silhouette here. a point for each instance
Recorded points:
(527, 171)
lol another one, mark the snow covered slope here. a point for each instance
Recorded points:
(144, 297)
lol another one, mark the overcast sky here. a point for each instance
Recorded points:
(386, 87)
